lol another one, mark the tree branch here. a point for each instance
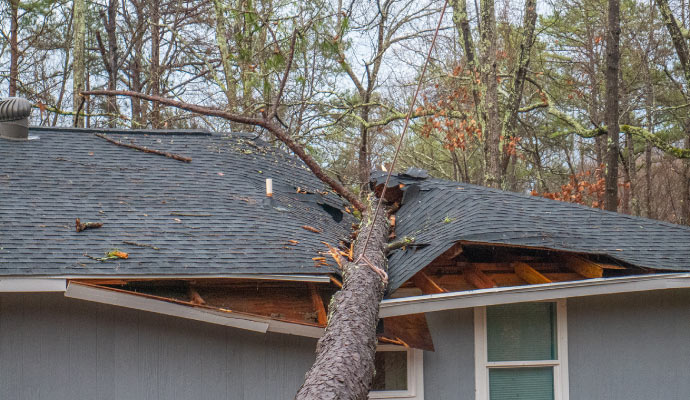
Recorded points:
(273, 128)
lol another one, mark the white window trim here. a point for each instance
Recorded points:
(561, 382)
(415, 376)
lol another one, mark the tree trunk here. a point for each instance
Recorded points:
(489, 78)
(155, 63)
(612, 66)
(78, 66)
(230, 88)
(14, 47)
(344, 366)
(510, 116)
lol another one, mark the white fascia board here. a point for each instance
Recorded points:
(519, 294)
(116, 298)
(16, 285)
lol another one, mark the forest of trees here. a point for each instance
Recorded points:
(577, 100)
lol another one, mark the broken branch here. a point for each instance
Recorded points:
(82, 226)
(400, 243)
(145, 149)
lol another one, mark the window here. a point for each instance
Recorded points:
(399, 373)
(521, 351)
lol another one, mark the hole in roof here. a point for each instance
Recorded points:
(335, 213)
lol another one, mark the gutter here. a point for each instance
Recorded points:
(519, 294)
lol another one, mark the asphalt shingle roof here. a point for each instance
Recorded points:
(442, 213)
(208, 217)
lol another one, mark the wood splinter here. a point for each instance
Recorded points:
(145, 149)
(82, 226)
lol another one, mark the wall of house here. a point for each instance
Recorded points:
(621, 347)
(56, 348)
(630, 346)
(449, 370)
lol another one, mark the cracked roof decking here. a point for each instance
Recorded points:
(206, 218)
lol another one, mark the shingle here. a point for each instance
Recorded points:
(487, 215)
(207, 217)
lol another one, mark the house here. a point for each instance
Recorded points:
(198, 284)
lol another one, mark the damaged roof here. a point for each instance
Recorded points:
(439, 213)
(208, 217)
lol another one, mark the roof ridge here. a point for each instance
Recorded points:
(162, 132)
(557, 202)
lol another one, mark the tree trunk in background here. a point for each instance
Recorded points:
(489, 77)
(683, 52)
(14, 47)
(611, 119)
(78, 66)
(225, 56)
(510, 117)
(344, 366)
(155, 83)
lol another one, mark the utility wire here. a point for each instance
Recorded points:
(362, 257)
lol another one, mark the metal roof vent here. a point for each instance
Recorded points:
(14, 118)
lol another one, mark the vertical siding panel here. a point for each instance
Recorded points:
(52, 374)
(449, 371)
(11, 312)
(630, 346)
(148, 346)
(213, 381)
(82, 360)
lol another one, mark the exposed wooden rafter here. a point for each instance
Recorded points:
(584, 267)
(529, 274)
(477, 278)
(426, 284)
(317, 300)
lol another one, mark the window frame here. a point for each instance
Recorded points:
(415, 376)
(561, 383)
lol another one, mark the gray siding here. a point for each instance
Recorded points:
(56, 348)
(630, 346)
(449, 371)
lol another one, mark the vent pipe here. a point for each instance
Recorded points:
(14, 118)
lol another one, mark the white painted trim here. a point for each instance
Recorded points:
(415, 376)
(562, 334)
(32, 285)
(274, 277)
(560, 365)
(520, 294)
(105, 296)
(481, 373)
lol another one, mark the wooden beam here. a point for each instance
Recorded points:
(195, 297)
(317, 300)
(478, 279)
(409, 331)
(426, 284)
(584, 267)
(529, 274)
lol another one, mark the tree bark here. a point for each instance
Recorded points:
(14, 47)
(612, 112)
(515, 96)
(78, 66)
(489, 76)
(344, 366)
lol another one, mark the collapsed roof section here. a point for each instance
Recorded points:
(457, 225)
(207, 217)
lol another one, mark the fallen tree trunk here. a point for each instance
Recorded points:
(344, 366)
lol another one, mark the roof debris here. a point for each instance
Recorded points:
(82, 226)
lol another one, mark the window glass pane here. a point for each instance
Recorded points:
(521, 332)
(391, 370)
(521, 383)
